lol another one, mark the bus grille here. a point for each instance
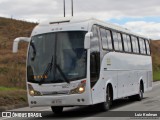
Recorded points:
(55, 93)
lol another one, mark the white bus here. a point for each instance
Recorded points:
(78, 62)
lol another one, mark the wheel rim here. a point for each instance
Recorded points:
(141, 92)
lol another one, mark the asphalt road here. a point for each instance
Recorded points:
(151, 102)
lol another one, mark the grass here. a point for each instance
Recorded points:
(12, 96)
(2, 88)
(156, 75)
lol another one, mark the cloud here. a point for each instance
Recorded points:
(148, 29)
(40, 10)
(35, 9)
(102, 9)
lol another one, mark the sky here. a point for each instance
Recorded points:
(140, 16)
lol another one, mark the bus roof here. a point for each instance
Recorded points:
(91, 20)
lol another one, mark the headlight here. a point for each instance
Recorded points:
(33, 92)
(80, 89)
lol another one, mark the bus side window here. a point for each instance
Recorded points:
(109, 39)
(142, 46)
(106, 39)
(120, 41)
(148, 48)
(127, 43)
(135, 44)
(94, 57)
(117, 41)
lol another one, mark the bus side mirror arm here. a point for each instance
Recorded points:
(87, 40)
(16, 42)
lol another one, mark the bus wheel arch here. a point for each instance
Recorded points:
(105, 106)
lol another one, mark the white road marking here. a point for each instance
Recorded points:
(5, 118)
(45, 109)
(156, 84)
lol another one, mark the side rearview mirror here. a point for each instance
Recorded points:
(16, 42)
(87, 40)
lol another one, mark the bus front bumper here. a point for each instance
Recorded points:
(61, 100)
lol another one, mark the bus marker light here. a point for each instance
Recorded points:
(35, 77)
(45, 76)
(84, 81)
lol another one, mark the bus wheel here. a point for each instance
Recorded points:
(57, 109)
(105, 106)
(139, 96)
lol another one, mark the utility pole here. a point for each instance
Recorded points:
(64, 8)
(72, 6)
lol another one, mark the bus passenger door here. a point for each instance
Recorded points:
(95, 66)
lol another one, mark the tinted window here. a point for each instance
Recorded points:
(117, 41)
(95, 40)
(94, 57)
(142, 46)
(120, 41)
(67, 62)
(127, 43)
(135, 44)
(106, 39)
(147, 46)
(110, 46)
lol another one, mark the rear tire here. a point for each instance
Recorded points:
(139, 96)
(105, 106)
(57, 109)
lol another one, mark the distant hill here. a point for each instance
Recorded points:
(155, 47)
(12, 66)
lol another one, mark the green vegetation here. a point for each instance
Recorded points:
(156, 75)
(2, 88)
(155, 48)
(12, 96)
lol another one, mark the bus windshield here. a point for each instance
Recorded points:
(57, 57)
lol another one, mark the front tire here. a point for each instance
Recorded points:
(57, 109)
(105, 106)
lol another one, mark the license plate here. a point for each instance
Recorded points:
(57, 102)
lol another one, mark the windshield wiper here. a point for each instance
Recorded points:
(34, 50)
(48, 69)
(62, 73)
